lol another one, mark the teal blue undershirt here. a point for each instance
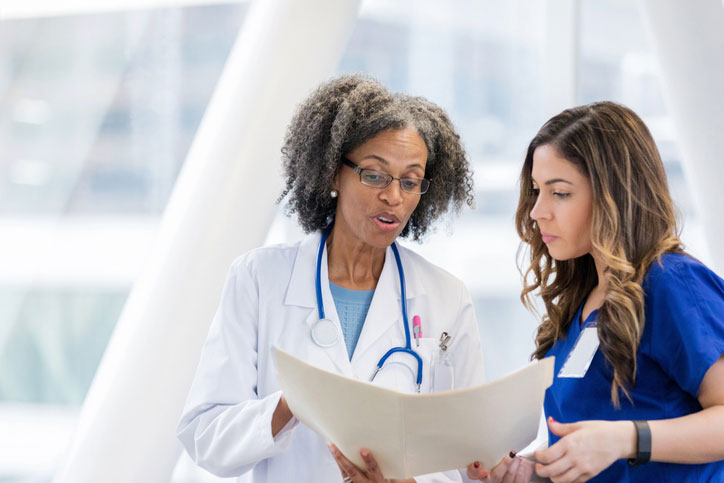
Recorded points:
(352, 307)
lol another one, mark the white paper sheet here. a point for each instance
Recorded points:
(415, 434)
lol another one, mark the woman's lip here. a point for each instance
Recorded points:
(548, 238)
(386, 226)
(387, 216)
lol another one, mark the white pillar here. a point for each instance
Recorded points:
(688, 38)
(222, 205)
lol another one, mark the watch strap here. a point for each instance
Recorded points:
(643, 444)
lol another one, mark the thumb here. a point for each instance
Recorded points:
(560, 429)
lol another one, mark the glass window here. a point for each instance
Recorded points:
(97, 113)
(622, 68)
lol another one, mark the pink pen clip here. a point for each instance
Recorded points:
(417, 329)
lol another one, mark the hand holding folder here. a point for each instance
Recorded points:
(415, 434)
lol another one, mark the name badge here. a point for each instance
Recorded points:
(442, 376)
(580, 357)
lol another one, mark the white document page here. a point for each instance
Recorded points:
(415, 434)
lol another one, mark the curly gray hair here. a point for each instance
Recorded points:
(344, 113)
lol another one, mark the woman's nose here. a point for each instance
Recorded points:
(540, 210)
(392, 193)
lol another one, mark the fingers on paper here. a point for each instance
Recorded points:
(373, 469)
(520, 471)
(346, 466)
(501, 472)
(477, 472)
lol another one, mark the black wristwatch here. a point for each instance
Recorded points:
(643, 444)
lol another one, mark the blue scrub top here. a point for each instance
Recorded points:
(683, 336)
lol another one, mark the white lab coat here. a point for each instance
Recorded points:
(269, 300)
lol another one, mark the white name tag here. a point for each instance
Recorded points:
(442, 377)
(581, 355)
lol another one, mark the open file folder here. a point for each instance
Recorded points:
(416, 434)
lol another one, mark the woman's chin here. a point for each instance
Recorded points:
(381, 239)
(564, 255)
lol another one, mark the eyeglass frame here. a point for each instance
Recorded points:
(389, 177)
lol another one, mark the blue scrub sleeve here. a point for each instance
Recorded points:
(685, 317)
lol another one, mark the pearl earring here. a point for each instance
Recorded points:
(334, 193)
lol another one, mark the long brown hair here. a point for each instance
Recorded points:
(633, 223)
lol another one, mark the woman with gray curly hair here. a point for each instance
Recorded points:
(363, 166)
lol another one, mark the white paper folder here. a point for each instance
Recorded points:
(416, 434)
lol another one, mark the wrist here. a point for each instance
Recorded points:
(281, 416)
(284, 408)
(643, 444)
(627, 441)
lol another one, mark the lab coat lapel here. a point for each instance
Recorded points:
(302, 292)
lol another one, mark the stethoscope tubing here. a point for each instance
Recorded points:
(408, 345)
(318, 278)
(403, 293)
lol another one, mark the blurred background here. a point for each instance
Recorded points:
(98, 110)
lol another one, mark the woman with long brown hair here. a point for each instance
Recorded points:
(635, 323)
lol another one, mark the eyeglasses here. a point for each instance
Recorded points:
(378, 179)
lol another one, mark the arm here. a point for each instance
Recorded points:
(226, 427)
(698, 437)
(589, 447)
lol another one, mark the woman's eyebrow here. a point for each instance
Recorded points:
(557, 180)
(378, 158)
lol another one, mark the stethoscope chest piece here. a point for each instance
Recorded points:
(325, 333)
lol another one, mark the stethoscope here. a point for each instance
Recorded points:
(325, 332)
